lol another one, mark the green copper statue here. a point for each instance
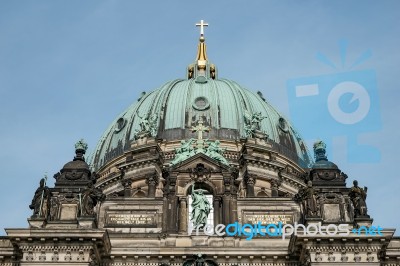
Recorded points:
(200, 207)
(148, 125)
(215, 151)
(81, 145)
(252, 122)
(190, 148)
(183, 152)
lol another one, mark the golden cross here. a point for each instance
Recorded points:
(200, 129)
(202, 24)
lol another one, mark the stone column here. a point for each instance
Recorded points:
(172, 214)
(152, 182)
(226, 204)
(250, 181)
(172, 206)
(127, 184)
(275, 189)
(165, 176)
(233, 209)
(165, 214)
(217, 210)
(183, 212)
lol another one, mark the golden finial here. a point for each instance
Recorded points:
(201, 51)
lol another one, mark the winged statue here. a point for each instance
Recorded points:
(252, 122)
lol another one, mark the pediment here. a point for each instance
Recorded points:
(201, 158)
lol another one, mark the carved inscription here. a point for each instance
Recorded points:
(131, 219)
(267, 218)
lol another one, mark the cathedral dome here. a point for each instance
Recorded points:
(178, 105)
(223, 105)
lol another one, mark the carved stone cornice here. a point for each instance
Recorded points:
(351, 249)
(53, 246)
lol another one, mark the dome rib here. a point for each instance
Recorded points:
(165, 93)
(239, 102)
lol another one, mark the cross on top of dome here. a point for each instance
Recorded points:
(202, 24)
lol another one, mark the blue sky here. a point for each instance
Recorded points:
(68, 68)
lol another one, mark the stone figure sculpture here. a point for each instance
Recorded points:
(200, 207)
(191, 147)
(185, 151)
(358, 196)
(90, 197)
(40, 200)
(148, 124)
(252, 122)
(308, 197)
(215, 151)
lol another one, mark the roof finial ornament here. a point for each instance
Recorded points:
(201, 52)
(320, 151)
(202, 68)
(80, 150)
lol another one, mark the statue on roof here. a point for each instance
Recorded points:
(89, 199)
(252, 122)
(215, 152)
(308, 197)
(358, 196)
(185, 151)
(40, 201)
(148, 124)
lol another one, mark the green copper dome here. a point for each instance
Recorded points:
(228, 110)
(179, 104)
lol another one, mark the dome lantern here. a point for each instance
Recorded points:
(202, 67)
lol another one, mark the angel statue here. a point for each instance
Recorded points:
(252, 122)
(200, 207)
(183, 152)
(215, 151)
(148, 123)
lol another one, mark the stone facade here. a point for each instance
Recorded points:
(142, 218)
